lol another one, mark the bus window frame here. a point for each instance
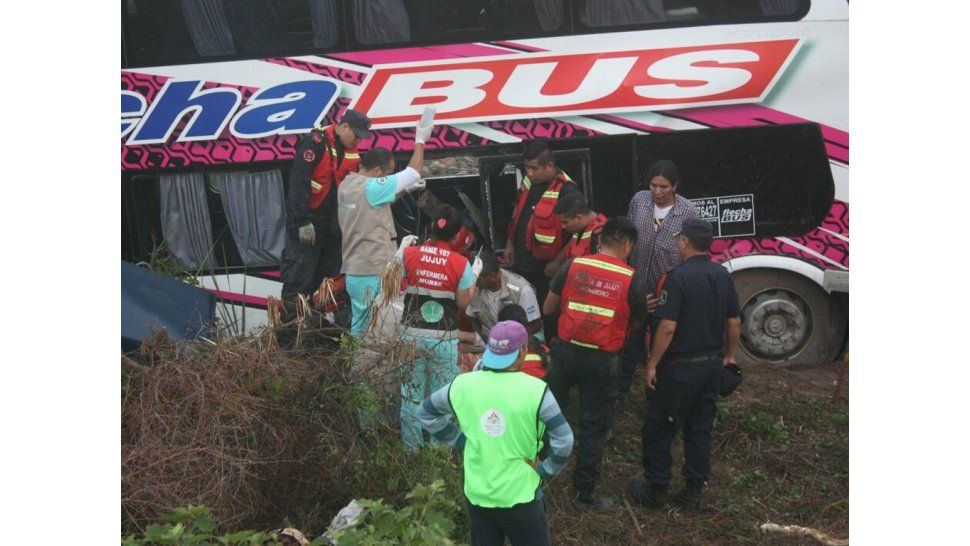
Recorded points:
(348, 43)
(129, 207)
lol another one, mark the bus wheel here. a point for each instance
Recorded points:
(787, 319)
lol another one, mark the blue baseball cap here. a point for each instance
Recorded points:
(504, 341)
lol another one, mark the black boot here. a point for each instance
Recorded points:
(689, 499)
(652, 495)
(587, 500)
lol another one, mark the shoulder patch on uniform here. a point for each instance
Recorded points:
(663, 297)
(309, 155)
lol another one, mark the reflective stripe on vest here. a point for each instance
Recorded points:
(581, 344)
(546, 239)
(533, 357)
(604, 265)
(498, 413)
(316, 185)
(602, 311)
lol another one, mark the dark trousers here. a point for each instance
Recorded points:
(304, 267)
(595, 373)
(685, 399)
(524, 524)
(634, 354)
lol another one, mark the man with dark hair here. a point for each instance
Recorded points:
(438, 284)
(584, 225)
(498, 288)
(535, 234)
(501, 416)
(322, 159)
(658, 212)
(366, 224)
(597, 297)
(696, 332)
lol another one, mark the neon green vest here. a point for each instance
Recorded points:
(499, 414)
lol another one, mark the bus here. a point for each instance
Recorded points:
(748, 97)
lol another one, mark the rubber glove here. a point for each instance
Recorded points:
(423, 130)
(477, 266)
(408, 240)
(419, 185)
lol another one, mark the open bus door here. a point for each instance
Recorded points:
(759, 183)
(500, 179)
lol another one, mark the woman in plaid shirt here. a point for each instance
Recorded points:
(658, 213)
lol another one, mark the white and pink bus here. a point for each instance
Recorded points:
(748, 97)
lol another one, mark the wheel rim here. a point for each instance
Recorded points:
(777, 324)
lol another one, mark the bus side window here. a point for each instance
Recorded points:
(380, 21)
(613, 15)
(183, 31)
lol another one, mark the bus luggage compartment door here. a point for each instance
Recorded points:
(758, 182)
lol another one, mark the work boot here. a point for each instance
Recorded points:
(689, 499)
(591, 501)
(651, 495)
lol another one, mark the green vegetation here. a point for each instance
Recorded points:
(267, 438)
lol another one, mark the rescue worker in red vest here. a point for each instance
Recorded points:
(597, 298)
(438, 283)
(321, 161)
(584, 226)
(503, 415)
(535, 234)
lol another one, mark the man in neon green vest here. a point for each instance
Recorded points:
(502, 414)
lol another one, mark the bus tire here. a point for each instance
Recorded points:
(787, 319)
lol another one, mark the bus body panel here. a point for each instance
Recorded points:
(251, 112)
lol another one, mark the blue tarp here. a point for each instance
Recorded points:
(151, 302)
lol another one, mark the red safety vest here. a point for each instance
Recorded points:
(544, 234)
(534, 366)
(328, 169)
(594, 311)
(579, 243)
(433, 272)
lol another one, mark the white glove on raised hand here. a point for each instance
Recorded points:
(419, 185)
(408, 240)
(423, 130)
(308, 235)
(477, 266)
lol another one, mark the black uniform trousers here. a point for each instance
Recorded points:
(594, 372)
(684, 399)
(634, 354)
(304, 267)
(524, 524)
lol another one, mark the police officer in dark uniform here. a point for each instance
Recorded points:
(696, 328)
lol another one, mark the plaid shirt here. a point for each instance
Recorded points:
(655, 252)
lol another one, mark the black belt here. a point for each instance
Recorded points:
(696, 358)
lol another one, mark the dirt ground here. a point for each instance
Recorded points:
(780, 455)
